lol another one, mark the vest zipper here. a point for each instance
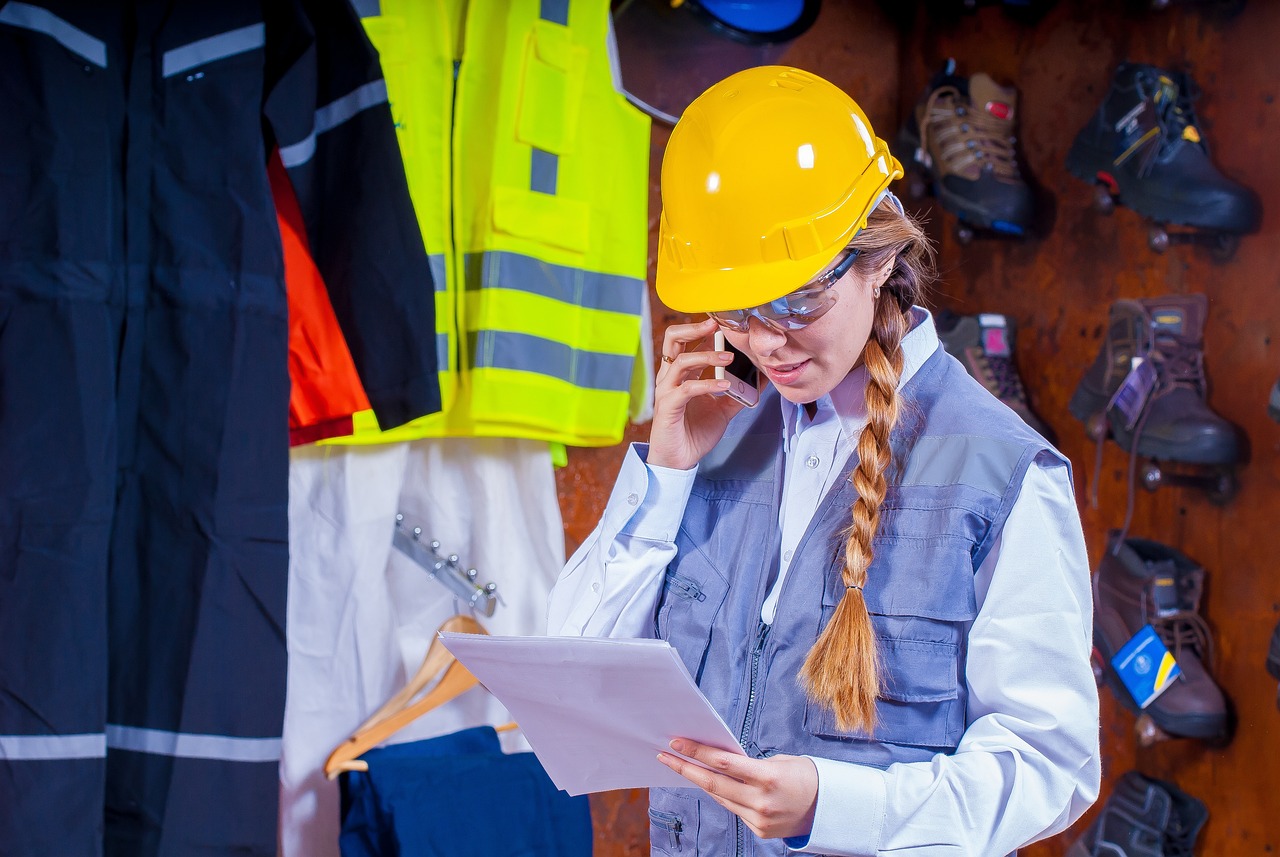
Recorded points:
(748, 719)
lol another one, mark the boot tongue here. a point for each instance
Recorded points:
(1179, 315)
(1164, 587)
(998, 101)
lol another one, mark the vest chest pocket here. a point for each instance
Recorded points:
(673, 823)
(690, 603)
(919, 701)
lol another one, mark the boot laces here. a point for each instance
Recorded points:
(1179, 363)
(1002, 378)
(1173, 96)
(966, 136)
(1187, 631)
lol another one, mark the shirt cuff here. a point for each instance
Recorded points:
(648, 501)
(849, 818)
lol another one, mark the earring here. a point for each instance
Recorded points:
(875, 293)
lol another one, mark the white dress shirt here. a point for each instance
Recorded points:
(1028, 763)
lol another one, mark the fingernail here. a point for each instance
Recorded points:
(674, 744)
(722, 384)
(724, 356)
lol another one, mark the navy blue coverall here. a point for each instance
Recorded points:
(144, 396)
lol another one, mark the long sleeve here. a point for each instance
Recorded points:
(326, 107)
(1028, 763)
(611, 584)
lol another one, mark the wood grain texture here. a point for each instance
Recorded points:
(1057, 288)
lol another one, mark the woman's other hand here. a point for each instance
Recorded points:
(775, 797)
(687, 419)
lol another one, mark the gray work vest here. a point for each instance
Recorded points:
(961, 456)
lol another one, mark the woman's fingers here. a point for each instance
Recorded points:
(775, 797)
(681, 338)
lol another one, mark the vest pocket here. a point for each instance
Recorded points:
(687, 612)
(919, 698)
(673, 823)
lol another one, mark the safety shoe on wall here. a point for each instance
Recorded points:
(1142, 582)
(961, 140)
(1144, 143)
(1143, 817)
(984, 344)
(1175, 424)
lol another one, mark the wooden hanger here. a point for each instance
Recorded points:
(399, 711)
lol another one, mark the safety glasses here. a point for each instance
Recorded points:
(793, 311)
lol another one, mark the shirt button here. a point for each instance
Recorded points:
(812, 462)
(633, 498)
(787, 556)
(595, 587)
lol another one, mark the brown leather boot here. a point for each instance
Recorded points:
(1176, 424)
(1142, 582)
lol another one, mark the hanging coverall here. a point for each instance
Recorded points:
(144, 396)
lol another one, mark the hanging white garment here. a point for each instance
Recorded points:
(361, 615)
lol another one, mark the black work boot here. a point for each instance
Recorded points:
(1141, 582)
(1144, 143)
(961, 138)
(1175, 424)
(984, 344)
(1143, 817)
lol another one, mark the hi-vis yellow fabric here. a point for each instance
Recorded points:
(529, 174)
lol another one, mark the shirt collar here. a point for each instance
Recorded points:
(848, 399)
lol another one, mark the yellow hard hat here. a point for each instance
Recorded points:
(766, 177)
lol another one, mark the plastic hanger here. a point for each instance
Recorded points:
(400, 711)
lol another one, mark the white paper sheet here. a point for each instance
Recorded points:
(596, 711)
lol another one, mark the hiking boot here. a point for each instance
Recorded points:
(1143, 817)
(1141, 582)
(1273, 402)
(984, 344)
(1174, 423)
(960, 138)
(1144, 144)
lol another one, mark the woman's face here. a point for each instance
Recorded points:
(807, 364)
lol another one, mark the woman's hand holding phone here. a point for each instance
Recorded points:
(690, 411)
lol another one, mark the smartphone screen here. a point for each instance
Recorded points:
(741, 374)
(742, 367)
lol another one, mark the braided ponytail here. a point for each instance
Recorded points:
(842, 670)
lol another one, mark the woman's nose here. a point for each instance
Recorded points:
(763, 338)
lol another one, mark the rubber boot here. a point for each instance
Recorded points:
(961, 139)
(1143, 817)
(1141, 582)
(1176, 424)
(984, 344)
(1145, 144)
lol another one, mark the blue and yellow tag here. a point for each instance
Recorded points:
(1145, 666)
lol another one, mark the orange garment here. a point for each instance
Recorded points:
(325, 389)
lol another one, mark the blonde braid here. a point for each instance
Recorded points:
(842, 669)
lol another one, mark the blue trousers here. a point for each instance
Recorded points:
(459, 795)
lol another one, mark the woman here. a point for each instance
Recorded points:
(877, 575)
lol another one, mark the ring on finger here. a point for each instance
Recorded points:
(666, 359)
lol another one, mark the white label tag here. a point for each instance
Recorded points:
(1134, 391)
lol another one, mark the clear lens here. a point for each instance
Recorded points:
(793, 311)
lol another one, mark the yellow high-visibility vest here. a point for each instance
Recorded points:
(529, 174)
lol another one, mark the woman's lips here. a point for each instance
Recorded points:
(787, 373)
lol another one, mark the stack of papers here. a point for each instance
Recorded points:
(595, 711)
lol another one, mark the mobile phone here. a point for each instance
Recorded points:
(741, 374)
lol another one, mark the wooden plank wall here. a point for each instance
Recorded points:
(1057, 287)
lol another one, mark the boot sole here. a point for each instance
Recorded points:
(1205, 728)
(1089, 164)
